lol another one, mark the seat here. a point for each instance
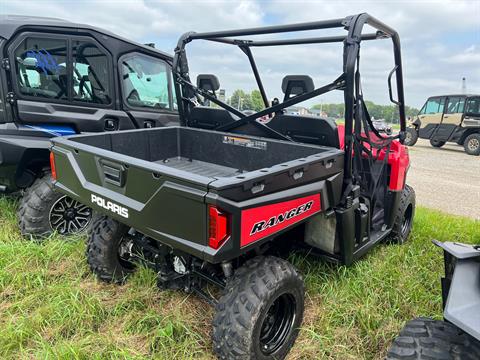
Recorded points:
(296, 85)
(205, 117)
(208, 82)
(99, 93)
(307, 129)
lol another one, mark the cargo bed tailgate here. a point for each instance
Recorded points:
(143, 195)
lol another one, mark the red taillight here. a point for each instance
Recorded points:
(218, 227)
(52, 166)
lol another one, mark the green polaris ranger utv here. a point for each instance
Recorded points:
(61, 78)
(222, 198)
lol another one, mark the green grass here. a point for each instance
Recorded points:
(52, 307)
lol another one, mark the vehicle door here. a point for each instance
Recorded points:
(147, 90)
(472, 113)
(452, 118)
(63, 84)
(430, 116)
(3, 113)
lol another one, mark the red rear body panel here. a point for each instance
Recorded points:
(263, 221)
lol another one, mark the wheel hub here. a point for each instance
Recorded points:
(68, 216)
(473, 144)
(277, 324)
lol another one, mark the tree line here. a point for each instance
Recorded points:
(253, 101)
(387, 112)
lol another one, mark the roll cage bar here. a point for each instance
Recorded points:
(348, 81)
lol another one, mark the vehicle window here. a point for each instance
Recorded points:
(455, 105)
(145, 82)
(40, 67)
(91, 79)
(433, 106)
(473, 106)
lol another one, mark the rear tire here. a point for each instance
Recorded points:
(103, 250)
(472, 144)
(42, 210)
(436, 143)
(261, 312)
(425, 338)
(411, 136)
(404, 216)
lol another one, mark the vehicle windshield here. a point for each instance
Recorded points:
(146, 82)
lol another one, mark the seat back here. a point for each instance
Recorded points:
(205, 117)
(307, 129)
(296, 85)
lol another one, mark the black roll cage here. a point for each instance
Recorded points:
(348, 81)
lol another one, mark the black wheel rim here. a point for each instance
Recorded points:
(277, 324)
(406, 221)
(68, 216)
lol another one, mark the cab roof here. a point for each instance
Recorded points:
(10, 24)
(451, 95)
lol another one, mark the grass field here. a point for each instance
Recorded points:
(52, 307)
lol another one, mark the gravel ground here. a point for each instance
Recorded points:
(446, 179)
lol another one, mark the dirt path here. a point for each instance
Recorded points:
(446, 179)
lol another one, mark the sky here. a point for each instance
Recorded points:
(440, 40)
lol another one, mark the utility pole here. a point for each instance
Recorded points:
(464, 85)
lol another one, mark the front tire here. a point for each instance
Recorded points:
(472, 144)
(404, 216)
(42, 210)
(261, 312)
(425, 338)
(437, 143)
(105, 253)
(411, 136)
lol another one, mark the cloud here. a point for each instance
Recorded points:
(440, 39)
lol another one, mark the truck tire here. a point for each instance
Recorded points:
(425, 338)
(472, 144)
(411, 136)
(436, 143)
(42, 210)
(261, 311)
(105, 240)
(404, 216)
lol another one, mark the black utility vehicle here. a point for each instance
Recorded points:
(449, 118)
(219, 198)
(60, 78)
(458, 335)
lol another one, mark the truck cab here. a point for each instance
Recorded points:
(61, 78)
(449, 118)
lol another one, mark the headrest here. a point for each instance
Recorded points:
(297, 84)
(208, 82)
